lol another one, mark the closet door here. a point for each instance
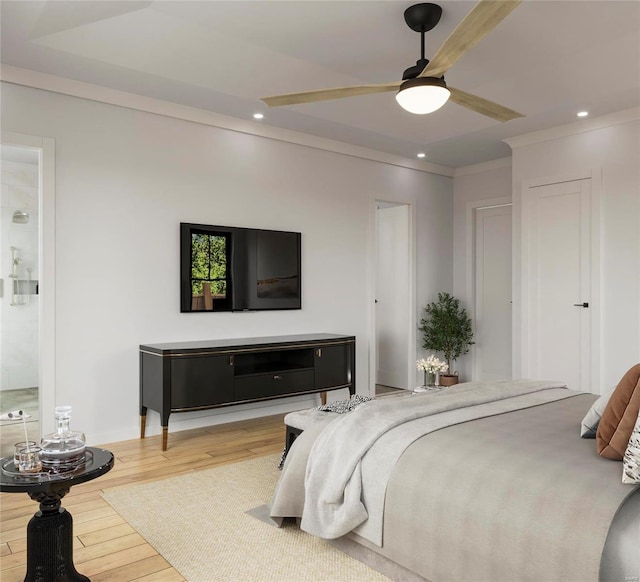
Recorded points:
(558, 319)
(493, 346)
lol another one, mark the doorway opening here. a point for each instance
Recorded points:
(19, 294)
(394, 335)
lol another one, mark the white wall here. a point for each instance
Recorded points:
(19, 314)
(613, 145)
(473, 186)
(610, 144)
(125, 179)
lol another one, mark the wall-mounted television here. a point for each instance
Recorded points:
(227, 268)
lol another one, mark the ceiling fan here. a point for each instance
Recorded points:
(423, 88)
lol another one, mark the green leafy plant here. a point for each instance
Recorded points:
(446, 328)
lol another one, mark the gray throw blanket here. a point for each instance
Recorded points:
(333, 482)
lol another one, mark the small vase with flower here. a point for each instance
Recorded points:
(432, 368)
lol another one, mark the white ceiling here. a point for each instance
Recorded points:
(547, 60)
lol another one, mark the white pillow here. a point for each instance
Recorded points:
(631, 459)
(590, 422)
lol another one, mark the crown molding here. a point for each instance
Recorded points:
(583, 126)
(65, 86)
(482, 167)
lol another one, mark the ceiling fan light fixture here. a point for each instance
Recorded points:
(423, 95)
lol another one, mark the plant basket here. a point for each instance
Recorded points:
(448, 379)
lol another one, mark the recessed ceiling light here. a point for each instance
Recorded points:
(258, 116)
(583, 113)
(422, 155)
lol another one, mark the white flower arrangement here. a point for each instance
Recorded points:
(432, 365)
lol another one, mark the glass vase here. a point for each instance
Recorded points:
(429, 378)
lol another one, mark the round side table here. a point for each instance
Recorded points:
(50, 530)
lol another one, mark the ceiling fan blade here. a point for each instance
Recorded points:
(482, 19)
(483, 106)
(327, 94)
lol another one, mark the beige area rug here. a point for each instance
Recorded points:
(197, 522)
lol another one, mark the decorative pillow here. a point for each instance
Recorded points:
(619, 416)
(631, 459)
(591, 420)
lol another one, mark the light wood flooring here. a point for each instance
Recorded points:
(106, 547)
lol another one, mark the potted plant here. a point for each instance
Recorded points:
(447, 328)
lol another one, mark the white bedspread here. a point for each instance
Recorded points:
(334, 495)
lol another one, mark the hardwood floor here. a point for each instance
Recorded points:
(106, 547)
(386, 390)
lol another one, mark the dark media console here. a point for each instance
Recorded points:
(186, 376)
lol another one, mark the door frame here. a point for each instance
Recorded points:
(595, 176)
(46, 273)
(472, 207)
(411, 255)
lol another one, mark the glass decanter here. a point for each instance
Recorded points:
(64, 449)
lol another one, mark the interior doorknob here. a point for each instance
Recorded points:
(581, 304)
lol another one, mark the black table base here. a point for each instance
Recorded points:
(50, 530)
(52, 534)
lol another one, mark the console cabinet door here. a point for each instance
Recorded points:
(333, 366)
(201, 381)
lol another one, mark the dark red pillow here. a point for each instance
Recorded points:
(619, 417)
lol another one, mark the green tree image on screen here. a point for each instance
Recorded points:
(209, 264)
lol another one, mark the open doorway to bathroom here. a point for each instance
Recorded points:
(19, 294)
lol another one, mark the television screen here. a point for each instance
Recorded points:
(276, 265)
(238, 269)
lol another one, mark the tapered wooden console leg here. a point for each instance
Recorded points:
(165, 435)
(143, 425)
(323, 397)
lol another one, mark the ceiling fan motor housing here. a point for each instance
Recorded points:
(413, 72)
(433, 81)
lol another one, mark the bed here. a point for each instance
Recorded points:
(482, 482)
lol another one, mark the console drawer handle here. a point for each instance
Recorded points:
(277, 377)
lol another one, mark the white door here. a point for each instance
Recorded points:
(559, 282)
(492, 309)
(392, 295)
